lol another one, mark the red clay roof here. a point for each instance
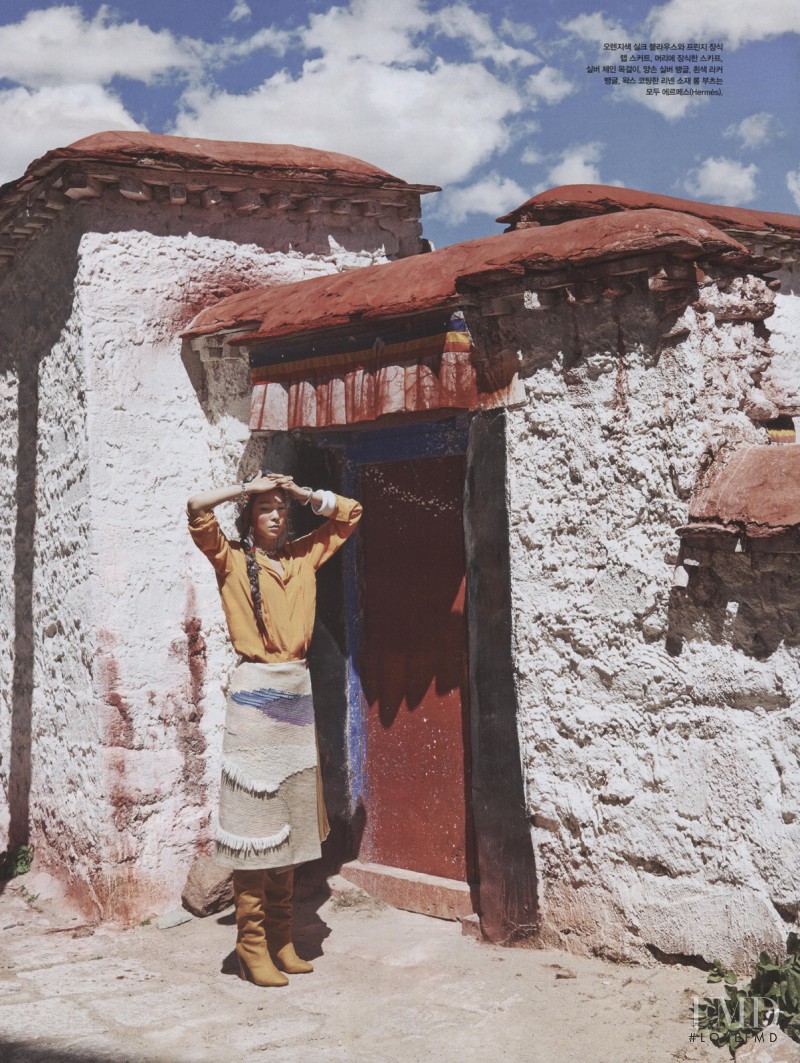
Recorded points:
(425, 282)
(584, 201)
(193, 153)
(758, 492)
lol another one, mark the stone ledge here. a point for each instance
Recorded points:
(413, 891)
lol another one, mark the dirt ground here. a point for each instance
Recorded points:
(388, 986)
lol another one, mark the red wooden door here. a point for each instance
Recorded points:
(414, 669)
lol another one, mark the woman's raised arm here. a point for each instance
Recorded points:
(207, 500)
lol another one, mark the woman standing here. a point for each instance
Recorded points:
(271, 812)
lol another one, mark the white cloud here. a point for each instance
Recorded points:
(722, 180)
(520, 31)
(390, 31)
(756, 129)
(686, 20)
(596, 28)
(793, 184)
(530, 157)
(460, 21)
(269, 38)
(33, 121)
(695, 20)
(383, 31)
(375, 90)
(720, 20)
(577, 166)
(670, 107)
(550, 85)
(374, 86)
(57, 46)
(493, 195)
(429, 125)
(373, 83)
(239, 11)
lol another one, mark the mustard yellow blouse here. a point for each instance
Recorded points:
(289, 601)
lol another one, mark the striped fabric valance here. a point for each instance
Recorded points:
(428, 372)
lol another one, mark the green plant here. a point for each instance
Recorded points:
(771, 997)
(16, 862)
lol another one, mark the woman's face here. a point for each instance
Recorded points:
(269, 512)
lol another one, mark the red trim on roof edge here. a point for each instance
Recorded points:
(567, 202)
(155, 150)
(426, 282)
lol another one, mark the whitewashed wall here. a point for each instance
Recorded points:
(782, 378)
(129, 647)
(8, 506)
(659, 737)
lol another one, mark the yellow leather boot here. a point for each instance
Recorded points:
(255, 963)
(278, 889)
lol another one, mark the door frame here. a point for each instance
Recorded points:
(504, 857)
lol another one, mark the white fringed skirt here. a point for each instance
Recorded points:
(270, 804)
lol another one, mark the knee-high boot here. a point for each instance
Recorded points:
(255, 963)
(278, 889)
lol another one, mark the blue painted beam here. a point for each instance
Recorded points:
(428, 439)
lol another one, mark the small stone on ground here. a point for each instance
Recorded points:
(171, 919)
(208, 888)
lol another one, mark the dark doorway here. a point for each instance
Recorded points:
(414, 668)
(434, 507)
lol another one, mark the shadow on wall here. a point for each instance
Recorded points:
(749, 601)
(42, 293)
(25, 1052)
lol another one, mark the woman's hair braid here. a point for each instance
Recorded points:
(244, 527)
(255, 589)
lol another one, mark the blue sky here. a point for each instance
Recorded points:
(490, 99)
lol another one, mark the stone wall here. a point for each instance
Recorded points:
(115, 700)
(9, 440)
(658, 723)
(40, 291)
(781, 381)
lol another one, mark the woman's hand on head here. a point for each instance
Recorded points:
(299, 494)
(260, 483)
(278, 480)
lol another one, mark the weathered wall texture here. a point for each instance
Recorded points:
(8, 506)
(38, 297)
(658, 725)
(116, 696)
(782, 378)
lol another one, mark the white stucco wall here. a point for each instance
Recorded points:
(161, 649)
(658, 736)
(8, 507)
(782, 378)
(65, 799)
(129, 647)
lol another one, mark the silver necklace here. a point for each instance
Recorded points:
(273, 555)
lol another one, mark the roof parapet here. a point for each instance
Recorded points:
(576, 256)
(242, 178)
(761, 231)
